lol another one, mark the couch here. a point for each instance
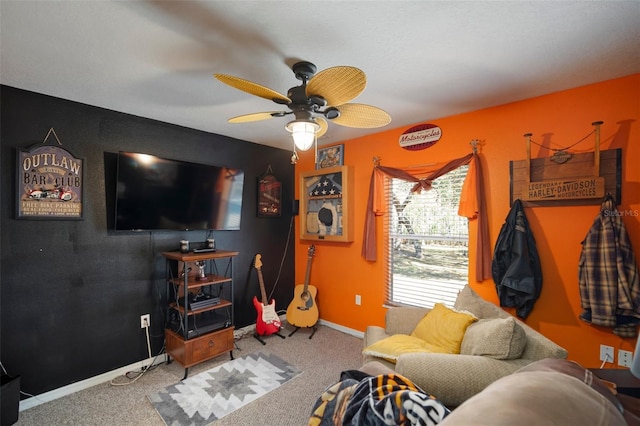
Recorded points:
(493, 346)
(547, 392)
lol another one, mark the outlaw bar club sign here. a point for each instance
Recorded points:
(49, 183)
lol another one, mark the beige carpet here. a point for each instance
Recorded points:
(321, 360)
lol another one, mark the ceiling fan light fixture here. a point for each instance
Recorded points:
(322, 97)
(332, 113)
(303, 133)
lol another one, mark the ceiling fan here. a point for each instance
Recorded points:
(321, 98)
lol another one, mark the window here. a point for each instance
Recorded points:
(427, 242)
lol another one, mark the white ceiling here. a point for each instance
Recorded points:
(423, 59)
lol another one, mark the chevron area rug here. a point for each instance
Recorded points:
(208, 396)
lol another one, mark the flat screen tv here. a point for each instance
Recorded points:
(156, 193)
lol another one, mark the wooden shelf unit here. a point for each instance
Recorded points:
(194, 351)
(180, 345)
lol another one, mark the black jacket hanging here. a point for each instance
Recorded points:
(516, 266)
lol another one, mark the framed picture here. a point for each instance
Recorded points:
(269, 196)
(326, 206)
(49, 184)
(331, 156)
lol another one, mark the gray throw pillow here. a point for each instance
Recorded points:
(498, 338)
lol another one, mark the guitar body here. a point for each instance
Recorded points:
(303, 310)
(268, 321)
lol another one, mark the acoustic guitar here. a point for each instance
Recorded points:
(268, 321)
(303, 310)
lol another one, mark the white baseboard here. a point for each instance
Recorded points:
(36, 400)
(250, 329)
(351, 331)
(87, 383)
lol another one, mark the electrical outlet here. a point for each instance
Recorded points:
(358, 299)
(606, 353)
(624, 358)
(145, 321)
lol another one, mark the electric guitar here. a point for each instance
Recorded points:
(268, 321)
(303, 310)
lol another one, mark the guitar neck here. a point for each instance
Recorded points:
(262, 290)
(307, 274)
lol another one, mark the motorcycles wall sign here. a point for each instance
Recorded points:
(49, 183)
(420, 137)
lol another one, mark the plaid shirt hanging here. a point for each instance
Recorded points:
(608, 274)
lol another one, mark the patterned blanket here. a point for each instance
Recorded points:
(387, 399)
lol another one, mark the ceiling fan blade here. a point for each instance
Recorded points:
(253, 88)
(256, 116)
(337, 85)
(361, 116)
(324, 126)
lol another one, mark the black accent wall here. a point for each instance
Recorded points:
(72, 292)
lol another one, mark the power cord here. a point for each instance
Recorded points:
(21, 391)
(605, 360)
(144, 369)
(284, 255)
(146, 332)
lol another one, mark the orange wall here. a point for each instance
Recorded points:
(339, 272)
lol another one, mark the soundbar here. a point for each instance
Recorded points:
(204, 303)
(199, 301)
(199, 331)
(203, 250)
(205, 323)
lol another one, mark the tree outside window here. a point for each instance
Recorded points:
(427, 242)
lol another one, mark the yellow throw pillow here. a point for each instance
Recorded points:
(390, 348)
(444, 328)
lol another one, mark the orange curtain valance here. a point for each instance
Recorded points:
(471, 206)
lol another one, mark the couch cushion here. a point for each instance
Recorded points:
(444, 328)
(574, 369)
(537, 347)
(533, 398)
(390, 348)
(498, 338)
(471, 301)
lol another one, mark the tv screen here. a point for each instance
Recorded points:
(160, 194)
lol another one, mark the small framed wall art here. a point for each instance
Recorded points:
(269, 196)
(326, 206)
(331, 156)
